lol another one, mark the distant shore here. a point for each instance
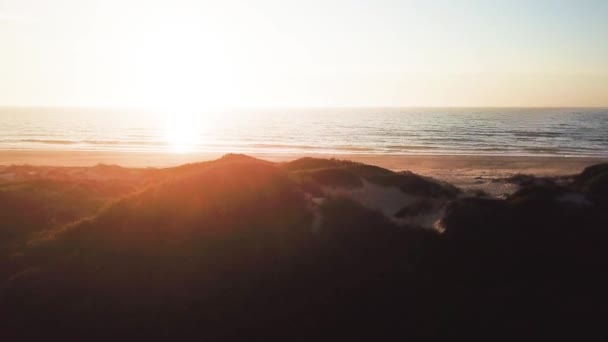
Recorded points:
(467, 171)
(547, 165)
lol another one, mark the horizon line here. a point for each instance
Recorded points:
(161, 108)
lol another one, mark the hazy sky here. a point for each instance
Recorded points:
(303, 53)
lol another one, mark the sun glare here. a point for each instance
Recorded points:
(182, 131)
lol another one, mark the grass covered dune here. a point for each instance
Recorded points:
(241, 248)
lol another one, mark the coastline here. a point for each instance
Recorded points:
(473, 172)
(546, 165)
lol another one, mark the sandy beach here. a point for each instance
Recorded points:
(465, 171)
(439, 164)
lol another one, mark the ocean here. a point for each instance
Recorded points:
(483, 131)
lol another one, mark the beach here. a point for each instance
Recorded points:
(470, 172)
(309, 170)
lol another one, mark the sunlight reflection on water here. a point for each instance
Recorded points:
(380, 131)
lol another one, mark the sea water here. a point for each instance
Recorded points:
(479, 131)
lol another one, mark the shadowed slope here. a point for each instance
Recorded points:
(187, 241)
(406, 198)
(223, 250)
(531, 260)
(334, 172)
(243, 249)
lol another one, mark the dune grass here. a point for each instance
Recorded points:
(225, 251)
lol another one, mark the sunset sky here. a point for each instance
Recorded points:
(303, 53)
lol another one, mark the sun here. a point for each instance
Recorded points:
(182, 131)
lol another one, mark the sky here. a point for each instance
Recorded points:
(285, 53)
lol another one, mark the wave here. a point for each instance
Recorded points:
(305, 147)
(43, 141)
(411, 147)
(536, 134)
(439, 146)
(88, 142)
(280, 146)
(551, 150)
(352, 148)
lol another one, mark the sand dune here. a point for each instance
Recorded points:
(241, 248)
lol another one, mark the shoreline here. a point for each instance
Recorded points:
(469, 172)
(135, 159)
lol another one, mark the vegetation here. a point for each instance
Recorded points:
(224, 250)
(39, 204)
(593, 181)
(333, 177)
(344, 173)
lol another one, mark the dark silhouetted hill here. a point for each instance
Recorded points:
(240, 248)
